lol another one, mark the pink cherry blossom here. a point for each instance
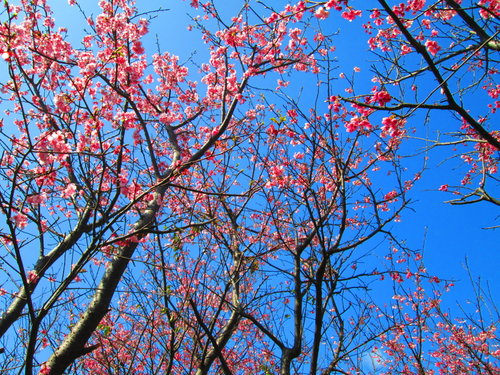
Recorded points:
(321, 13)
(69, 191)
(381, 97)
(432, 46)
(351, 14)
(44, 369)
(20, 220)
(358, 124)
(32, 276)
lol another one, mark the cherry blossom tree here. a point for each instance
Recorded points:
(195, 217)
(441, 57)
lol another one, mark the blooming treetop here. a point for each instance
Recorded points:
(203, 218)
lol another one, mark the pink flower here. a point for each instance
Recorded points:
(432, 46)
(396, 277)
(357, 124)
(375, 14)
(434, 279)
(392, 126)
(443, 188)
(416, 5)
(494, 92)
(321, 13)
(292, 113)
(20, 220)
(37, 198)
(381, 97)
(137, 47)
(319, 37)
(405, 49)
(61, 101)
(32, 277)
(69, 191)
(44, 369)
(391, 195)
(489, 8)
(333, 4)
(351, 14)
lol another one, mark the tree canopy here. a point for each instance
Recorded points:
(235, 210)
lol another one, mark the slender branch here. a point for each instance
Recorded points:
(439, 78)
